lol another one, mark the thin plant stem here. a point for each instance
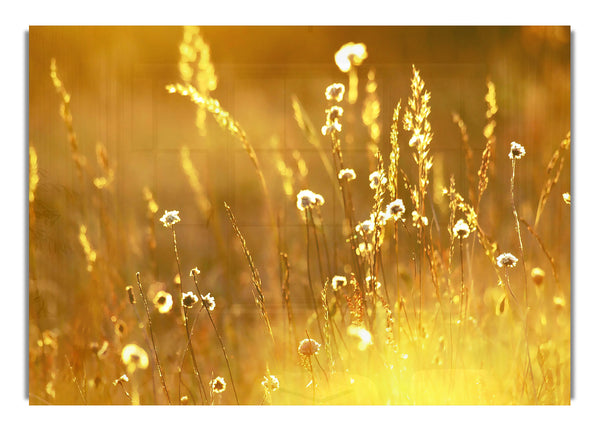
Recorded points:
(193, 357)
(154, 349)
(307, 214)
(185, 317)
(518, 228)
(524, 317)
(218, 337)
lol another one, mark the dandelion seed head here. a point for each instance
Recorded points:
(347, 174)
(308, 347)
(218, 385)
(461, 229)
(194, 271)
(163, 301)
(188, 299)
(516, 151)
(506, 260)
(169, 218)
(335, 92)
(338, 282)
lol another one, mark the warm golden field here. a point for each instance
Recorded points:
(300, 215)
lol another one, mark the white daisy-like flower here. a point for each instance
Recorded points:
(461, 229)
(169, 218)
(218, 385)
(335, 92)
(134, 357)
(376, 178)
(188, 299)
(334, 114)
(338, 282)
(330, 126)
(347, 174)
(350, 54)
(516, 151)
(506, 260)
(365, 227)
(208, 301)
(396, 209)
(307, 199)
(163, 301)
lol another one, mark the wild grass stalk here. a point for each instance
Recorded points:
(285, 295)
(553, 171)
(258, 294)
(516, 153)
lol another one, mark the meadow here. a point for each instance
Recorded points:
(223, 215)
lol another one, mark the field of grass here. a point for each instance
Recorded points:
(220, 215)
